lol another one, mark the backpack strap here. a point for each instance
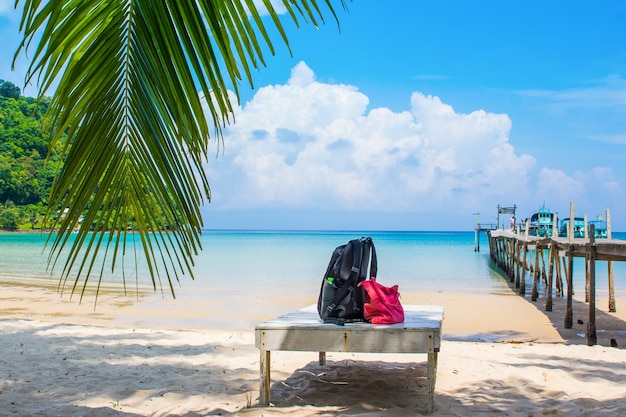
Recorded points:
(370, 252)
(373, 261)
(354, 274)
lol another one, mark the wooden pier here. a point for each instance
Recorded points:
(516, 252)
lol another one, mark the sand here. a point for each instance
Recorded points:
(502, 355)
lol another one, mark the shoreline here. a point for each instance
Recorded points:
(500, 315)
(501, 355)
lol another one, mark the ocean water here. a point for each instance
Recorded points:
(285, 262)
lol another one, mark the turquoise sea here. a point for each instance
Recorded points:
(282, 262)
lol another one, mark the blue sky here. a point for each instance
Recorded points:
(415, 115)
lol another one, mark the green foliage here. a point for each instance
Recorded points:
(9, 90)
(127, 77)
(9, 218)
(25, 176)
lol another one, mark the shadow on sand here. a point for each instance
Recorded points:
(376, 388)
(610, 329)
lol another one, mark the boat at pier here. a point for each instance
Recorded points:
(579, 227)
(541, 223)
(600, 228)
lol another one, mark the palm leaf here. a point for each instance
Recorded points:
(128, 74)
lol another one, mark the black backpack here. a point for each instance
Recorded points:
(341, 298)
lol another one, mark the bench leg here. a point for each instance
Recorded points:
(431, 376)
(264, 389)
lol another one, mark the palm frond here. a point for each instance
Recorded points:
(129, 74)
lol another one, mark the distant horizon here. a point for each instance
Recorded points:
(472, 231)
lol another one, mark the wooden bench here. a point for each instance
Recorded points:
(303, 330)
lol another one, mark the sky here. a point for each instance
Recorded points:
(416, 115)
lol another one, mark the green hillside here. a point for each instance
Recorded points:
(25, 176)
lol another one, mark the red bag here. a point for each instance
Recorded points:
(382, 304)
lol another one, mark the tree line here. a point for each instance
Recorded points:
(27, 169)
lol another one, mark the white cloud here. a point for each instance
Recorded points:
(277, 5)
(307, 144)
(619, 138)
(559, 186)
(606, 94)
(592, 192)
(6, 7)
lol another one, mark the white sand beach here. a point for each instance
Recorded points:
(502, 356)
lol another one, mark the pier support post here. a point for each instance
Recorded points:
(536, 272)
(516, 262)
(543, 267)
(609, 235)
(521, 283)
(592, 337)
(586, 279)
(569, 313)
(612, 308)
(477, 239)
(551, 255)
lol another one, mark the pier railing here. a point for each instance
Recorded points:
(487, 226)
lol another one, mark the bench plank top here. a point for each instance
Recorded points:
(303, 330)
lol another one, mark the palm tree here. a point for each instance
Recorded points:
(128, 75)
